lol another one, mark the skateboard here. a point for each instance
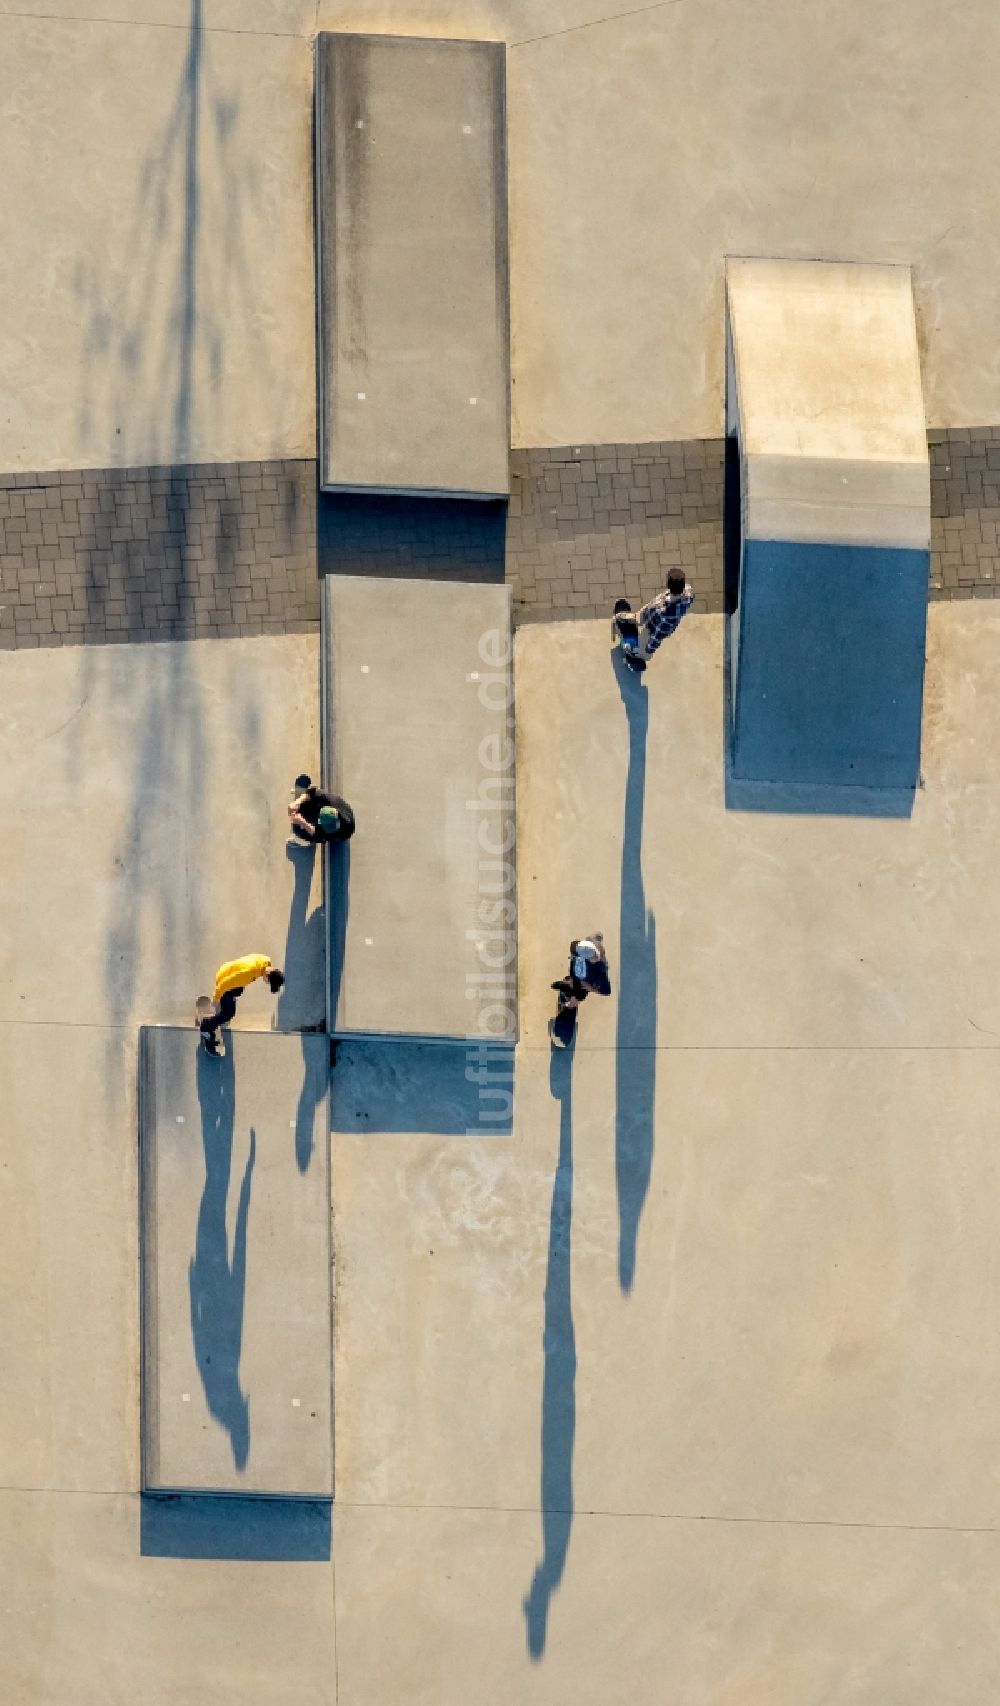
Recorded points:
(562, 1029)
(625, 633)
(204, 1007)
(295, 842)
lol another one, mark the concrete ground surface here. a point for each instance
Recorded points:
(721, 1301)
(159, 306)
(168, 769)
(725, 1297)
(142, 794)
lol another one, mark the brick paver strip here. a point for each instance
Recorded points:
(232, 549)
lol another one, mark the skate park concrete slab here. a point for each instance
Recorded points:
(91, 160)
(68, 1258)
(767, 1460)
(235, 1216)
(669, 125)
(792, 930)
(739, 1285)
(119, 212)
(719, 1309)
(169, 769)
(412, 265)
(649, 1609)
(160, 292)
(276, 17)
(417, 725)
(107, 922)
(87, 1620)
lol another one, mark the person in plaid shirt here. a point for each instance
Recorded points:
(640, 636)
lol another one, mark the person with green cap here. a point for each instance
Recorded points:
(318, 816)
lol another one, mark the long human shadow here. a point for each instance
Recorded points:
(304, 949)
(218, 1285)
(635, 1039)
(338, 900)
(559, 1373)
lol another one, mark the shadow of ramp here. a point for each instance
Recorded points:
(801, 799)
(300, 1002)
(243, 1529)
(823, 681)
(461, 1089)
(558, 1373)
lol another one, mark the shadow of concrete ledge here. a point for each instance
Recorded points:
(254, 1530)
(461, 1089)
(816, 799)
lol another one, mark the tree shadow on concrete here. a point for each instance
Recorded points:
(151, 333)
(635, 1038)
(217, 1284)
(154, 334)
(304, 947)
(559, 1372)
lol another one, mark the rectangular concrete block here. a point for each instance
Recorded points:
(412, 264)
(236, 1265)
(824, 403)
(418, 727)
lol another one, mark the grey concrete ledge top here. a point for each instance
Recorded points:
(418, 726)
(235, 1241)
(412, 264)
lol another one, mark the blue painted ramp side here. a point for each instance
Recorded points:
(830, 671)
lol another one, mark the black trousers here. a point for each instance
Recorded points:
(222, 1015)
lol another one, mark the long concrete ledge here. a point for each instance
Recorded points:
(236, 1271)
(412, 261)
(418, 735)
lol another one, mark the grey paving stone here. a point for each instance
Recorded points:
(155, 553)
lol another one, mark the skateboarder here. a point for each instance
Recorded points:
(230, 981)
(587, 975)
(318, 816)
(639, 636)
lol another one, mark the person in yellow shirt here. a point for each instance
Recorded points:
(231, 980)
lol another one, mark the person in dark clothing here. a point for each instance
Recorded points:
(587, 974)
(317, 816)
(640, 635)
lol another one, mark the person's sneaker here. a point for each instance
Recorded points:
(211, 1046)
